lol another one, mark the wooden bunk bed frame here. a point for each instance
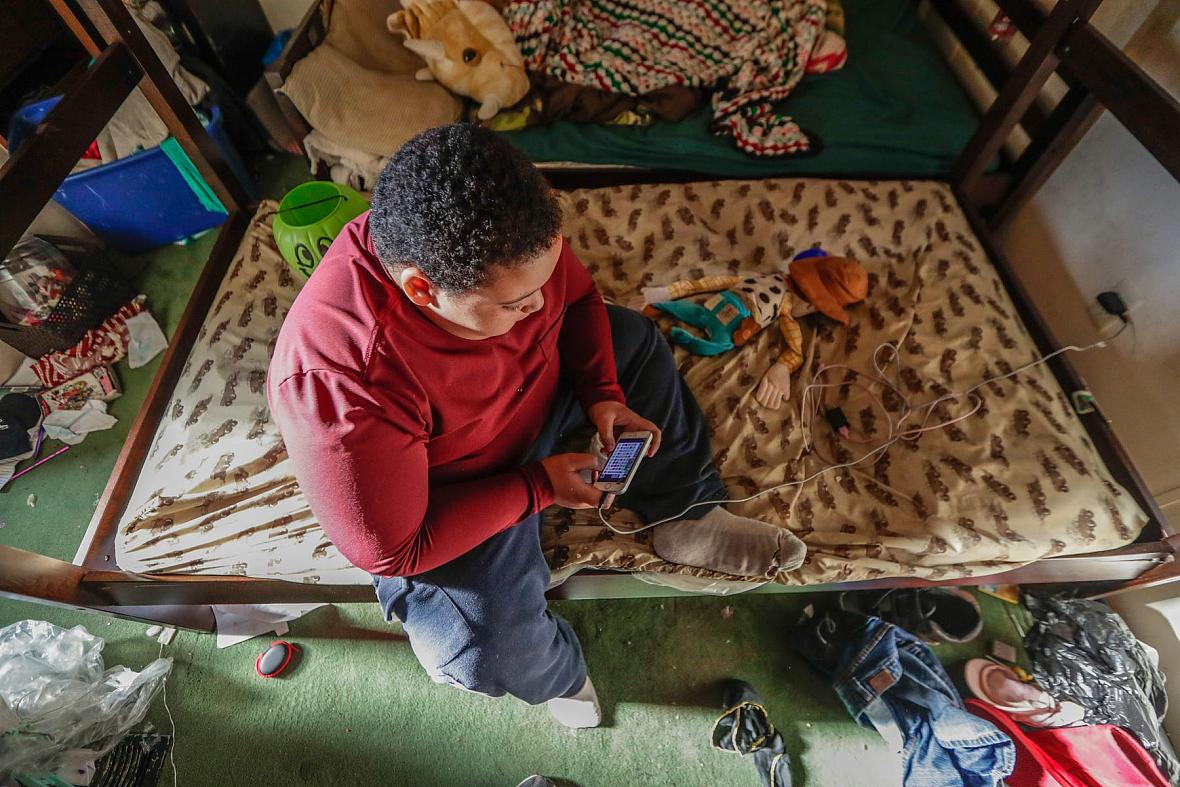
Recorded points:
(1098, 76)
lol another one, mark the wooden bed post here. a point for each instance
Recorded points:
(312, 31)
(115, 24)
(1017, 95)
(1070, 120)
(29, 178)
(80, 31)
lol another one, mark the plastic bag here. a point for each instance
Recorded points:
(1083, 651)
(63, 709)
(33, 277)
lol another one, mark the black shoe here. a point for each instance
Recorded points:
(822, 639)
(934, 614)
(745, 729)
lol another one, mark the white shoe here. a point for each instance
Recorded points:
(579, 711)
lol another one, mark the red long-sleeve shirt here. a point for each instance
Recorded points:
(406, 439)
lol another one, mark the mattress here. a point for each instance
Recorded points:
(895, 109)
(1014, 483)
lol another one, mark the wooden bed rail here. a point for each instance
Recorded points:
(27, 576)
(98, 543)
(1063, 42)
(31, 576)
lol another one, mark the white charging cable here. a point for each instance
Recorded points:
(896, 433)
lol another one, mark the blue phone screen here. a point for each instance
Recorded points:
(622, 459)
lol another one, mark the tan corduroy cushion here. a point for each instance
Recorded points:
(368, 110)
(357, 29)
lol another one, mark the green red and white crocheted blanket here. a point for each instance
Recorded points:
(751, 53)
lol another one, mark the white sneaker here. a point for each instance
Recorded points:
(579, 711)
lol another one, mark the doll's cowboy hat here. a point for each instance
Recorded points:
(830, 284)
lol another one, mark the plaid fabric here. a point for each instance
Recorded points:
(752, 53)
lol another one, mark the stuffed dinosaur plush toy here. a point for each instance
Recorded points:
(744, 305)
(467, 47)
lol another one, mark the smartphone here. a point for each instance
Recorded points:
(623, 462)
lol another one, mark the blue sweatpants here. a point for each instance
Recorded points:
(481, 621)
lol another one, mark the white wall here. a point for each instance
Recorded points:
(1154, 617)
(1110, 218)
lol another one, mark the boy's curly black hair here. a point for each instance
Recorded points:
(457, 200)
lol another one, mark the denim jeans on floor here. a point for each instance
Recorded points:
(481, 621)
(889, 680)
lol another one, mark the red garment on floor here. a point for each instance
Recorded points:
(1098, 755)
(405, 439)
(99, 346)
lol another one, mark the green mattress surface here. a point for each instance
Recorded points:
(895, 109)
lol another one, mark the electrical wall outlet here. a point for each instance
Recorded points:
(1106, 323)
(1128, 290)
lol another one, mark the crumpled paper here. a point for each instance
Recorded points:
(72, 426)
(240, 622)
(146, 340)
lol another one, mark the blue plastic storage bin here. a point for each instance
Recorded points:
(142, 201)
(26, 119)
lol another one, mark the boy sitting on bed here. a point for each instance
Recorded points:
(422, 381)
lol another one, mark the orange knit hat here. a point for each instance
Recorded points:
(830, 284)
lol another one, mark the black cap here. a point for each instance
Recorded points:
(18, 414)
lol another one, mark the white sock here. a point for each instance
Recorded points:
(579, 711)
(731, 544)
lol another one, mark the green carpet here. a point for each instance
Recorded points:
(358, 709)
(48, 509)
(65, 490)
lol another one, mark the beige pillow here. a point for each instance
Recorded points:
(371, 111)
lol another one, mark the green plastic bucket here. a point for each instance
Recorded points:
(310, 217)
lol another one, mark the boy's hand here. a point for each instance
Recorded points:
(612, 418)
(570, 489)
